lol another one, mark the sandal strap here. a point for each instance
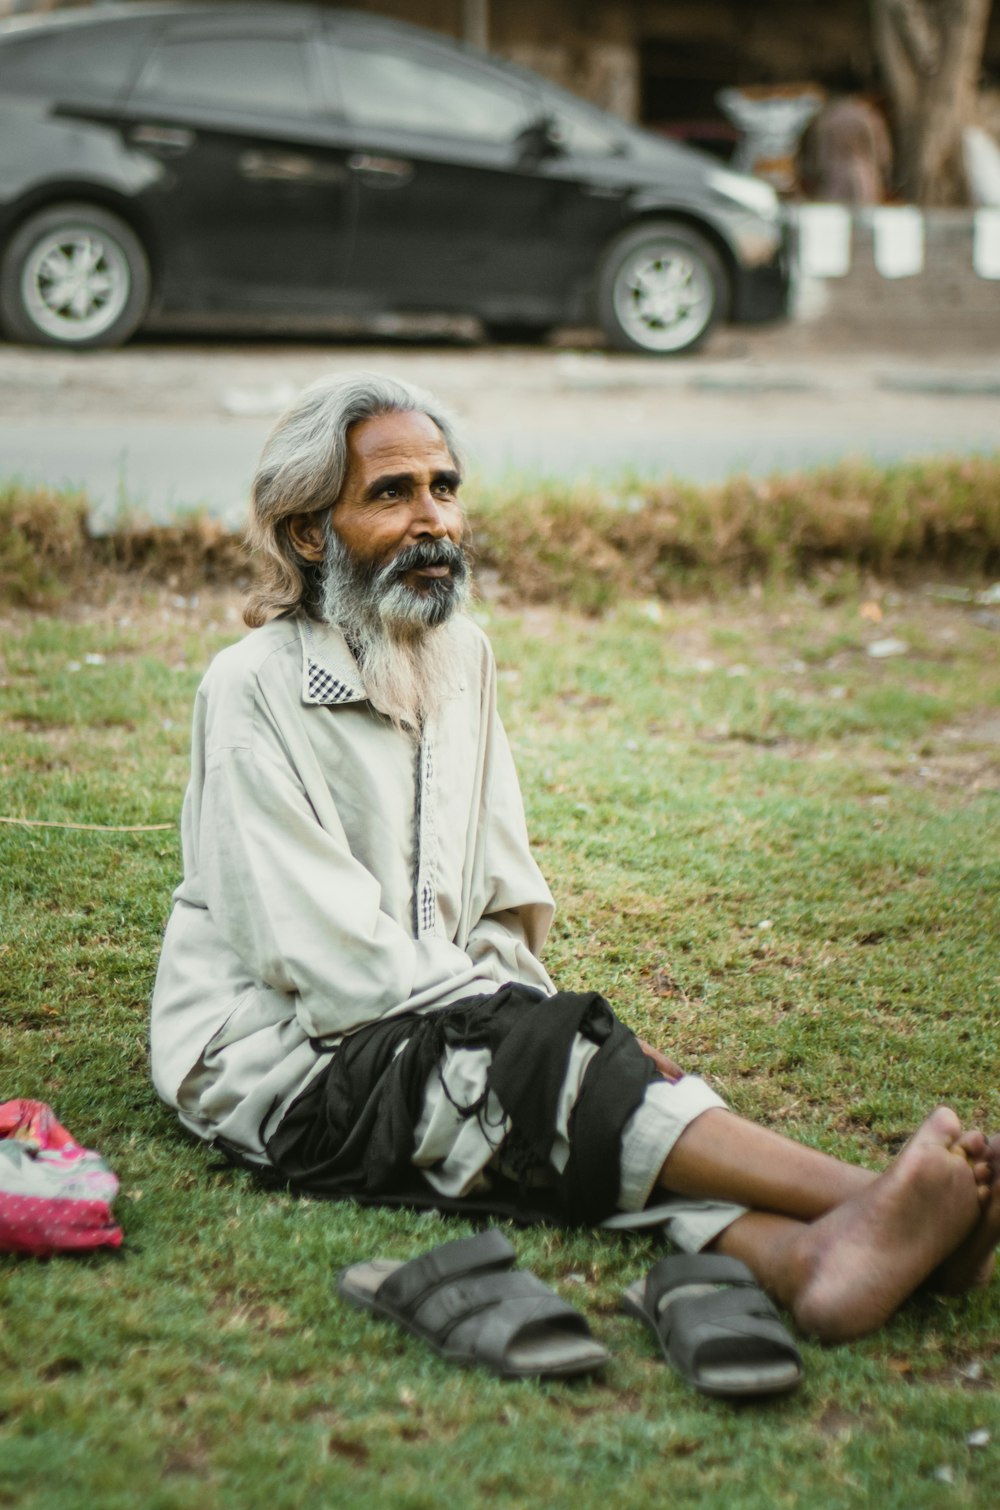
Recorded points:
(723, 1308)
(406, 1287)
(683, 1269)
(446, 1307)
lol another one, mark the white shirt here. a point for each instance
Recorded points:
(335, 873)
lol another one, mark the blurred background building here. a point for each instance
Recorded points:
(744, 78)
(659, 62)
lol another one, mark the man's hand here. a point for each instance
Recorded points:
(666, 1066)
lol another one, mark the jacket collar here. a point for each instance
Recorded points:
(329, 670)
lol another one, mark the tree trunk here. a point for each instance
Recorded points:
(930, 53)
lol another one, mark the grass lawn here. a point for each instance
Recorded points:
(775, 852)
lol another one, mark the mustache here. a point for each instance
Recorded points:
(424, 553)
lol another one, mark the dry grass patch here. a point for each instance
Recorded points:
(582, 546)
(587, 548)
(44, 545)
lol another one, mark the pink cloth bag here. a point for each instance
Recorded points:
(55, 1197)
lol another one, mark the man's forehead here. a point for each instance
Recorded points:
(397, 442)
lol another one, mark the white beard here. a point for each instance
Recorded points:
(408, 679)
(404, 641)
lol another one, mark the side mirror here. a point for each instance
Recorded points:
(543, 138)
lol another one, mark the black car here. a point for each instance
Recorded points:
(287, 165)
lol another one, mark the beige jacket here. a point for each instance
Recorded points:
(334, 874)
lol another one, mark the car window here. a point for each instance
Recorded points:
(96, 59)
(413, 91)
(582, 133)
(242, 73)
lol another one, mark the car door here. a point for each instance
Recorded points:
(449, 208)
(255, 203)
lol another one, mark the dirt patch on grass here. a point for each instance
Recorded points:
(964, 756)
(963, 772)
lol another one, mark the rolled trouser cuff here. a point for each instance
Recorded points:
(667, 1109)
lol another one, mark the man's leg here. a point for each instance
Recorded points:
(840, 1246)
(722, 1157)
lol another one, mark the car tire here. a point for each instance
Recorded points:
(75, 276)
(660, 289)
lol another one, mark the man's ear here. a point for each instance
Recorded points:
(307, 533)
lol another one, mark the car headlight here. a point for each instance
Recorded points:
(752, 193)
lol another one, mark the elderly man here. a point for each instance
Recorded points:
(350, 990)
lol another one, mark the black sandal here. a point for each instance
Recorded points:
(464, 1300)
(715, 1325)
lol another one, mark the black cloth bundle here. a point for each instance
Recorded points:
(351, 1132)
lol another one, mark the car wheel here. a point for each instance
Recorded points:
(661, 288)
(73, 275)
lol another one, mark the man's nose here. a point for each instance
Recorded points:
(429, 518)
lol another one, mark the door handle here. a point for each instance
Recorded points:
(389, 172)
(171, 139)
(288, 167)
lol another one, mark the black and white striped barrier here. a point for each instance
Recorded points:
(896, 271)
(826, 235)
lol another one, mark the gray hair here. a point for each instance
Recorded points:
(302, 470)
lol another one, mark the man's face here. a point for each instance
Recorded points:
(393, 562)
(401, 490)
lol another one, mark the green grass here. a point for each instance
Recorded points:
(776, 854)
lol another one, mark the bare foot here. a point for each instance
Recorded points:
(978, 1154)
(861, 1261)
(974, 1260)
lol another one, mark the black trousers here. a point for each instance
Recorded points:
(351, 1132)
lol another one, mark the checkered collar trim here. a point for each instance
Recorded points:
(329, 670)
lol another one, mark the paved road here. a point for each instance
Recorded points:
(164, 425)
